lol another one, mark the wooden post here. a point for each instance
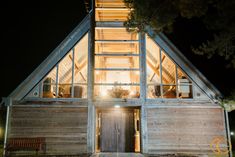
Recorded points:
(8, 103)
(143, 87)
(160, 56)
(90, 83)
(57, 80)
(142, 58)
(73, 64)
(228, 133)
(176, 81)
(143, 129)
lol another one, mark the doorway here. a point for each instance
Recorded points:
(118, 130)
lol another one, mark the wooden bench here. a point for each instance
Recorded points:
(37, 144)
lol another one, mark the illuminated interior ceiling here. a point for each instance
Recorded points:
(116, 50)
(110, 3)
(117, 62)
(114, 46)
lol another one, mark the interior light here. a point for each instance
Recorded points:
(117, 106)
(132, 93)
(104, 93)
(231, 133)
(97, 72)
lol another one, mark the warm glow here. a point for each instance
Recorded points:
(104, 93)
(132, 93)
(117, 106)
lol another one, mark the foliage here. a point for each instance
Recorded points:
(218, 16)
(229, 102)
(118, 92)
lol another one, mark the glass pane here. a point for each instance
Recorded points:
(169, 91)
(117, 48)
(116, 91)
(80, 60)
(168, 70)
(118, 77)
(152, 61)
(65, 69)
(154, 91)
(110, 3)
(112, 14)
(117, 62)
(114, 34)
(182, 75)
(65, 76)
(185, 90)
(64, 90)
(49, 85)
(184, 85)
(80, 91)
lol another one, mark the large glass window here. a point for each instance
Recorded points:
(164, 78)
(68, 79)
(185, 89)
(116, 54)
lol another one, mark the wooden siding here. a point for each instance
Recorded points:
(65, 128)
(183, 130)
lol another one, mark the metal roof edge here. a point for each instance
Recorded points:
(202, 82)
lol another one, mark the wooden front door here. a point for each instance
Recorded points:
(117, 130)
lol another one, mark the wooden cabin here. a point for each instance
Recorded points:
(104, 89)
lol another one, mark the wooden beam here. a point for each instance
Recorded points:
(143, 130)
(116, 41)
(115, 84)
(156, 70)
(8, 103)
(113, 9)
(73, 64)
(142, 59)
(78, 67)
(151, 57)
(57, 80)
(117, 55)
(117, 69)
(90, 83)
(122, 28)
(112, 24)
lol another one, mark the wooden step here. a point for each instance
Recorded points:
(117, 155)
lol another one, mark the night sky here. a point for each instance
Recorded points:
(30, 31)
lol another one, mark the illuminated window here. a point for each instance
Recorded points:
(116, 54)
(164, 78)
(68, 79)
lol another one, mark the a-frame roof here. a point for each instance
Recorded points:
(37, 75)
(196, 76)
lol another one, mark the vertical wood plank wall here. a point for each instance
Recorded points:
(183, 130)
(65, 128)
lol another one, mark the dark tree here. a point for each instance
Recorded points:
(218, 17)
